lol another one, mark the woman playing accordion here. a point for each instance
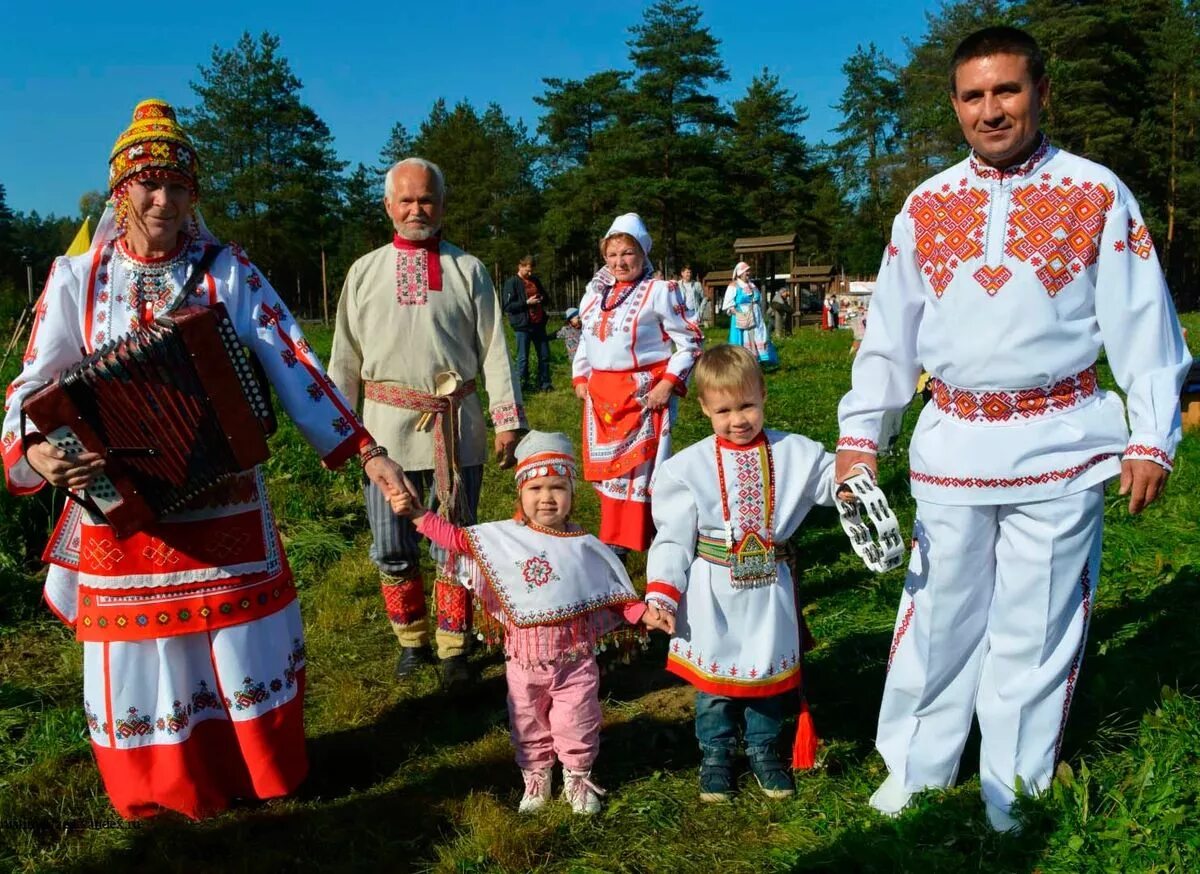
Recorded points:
(193, 648)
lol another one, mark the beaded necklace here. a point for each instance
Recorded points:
(605, 306)
(752, 560)
(151, 283)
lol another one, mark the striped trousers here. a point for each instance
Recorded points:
(395, 550)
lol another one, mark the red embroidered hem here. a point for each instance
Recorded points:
(1149, 453)
(220, 761)
(785, 681)
(976, 482)
(861, 443)
(656, 587)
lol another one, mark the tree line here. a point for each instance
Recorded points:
(653, 138)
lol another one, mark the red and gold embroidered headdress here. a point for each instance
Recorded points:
(154, 141)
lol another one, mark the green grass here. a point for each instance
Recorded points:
(404, 778)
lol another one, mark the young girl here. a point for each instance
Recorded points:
(555, 590)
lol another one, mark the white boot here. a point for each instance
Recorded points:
(537, 790)
(891, 797)
(581, 792)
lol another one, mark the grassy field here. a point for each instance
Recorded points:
(403, 778)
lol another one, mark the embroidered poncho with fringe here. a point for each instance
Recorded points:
(547, 594)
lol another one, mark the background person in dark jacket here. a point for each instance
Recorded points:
(523, 301)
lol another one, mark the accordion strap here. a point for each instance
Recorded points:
(199, 270)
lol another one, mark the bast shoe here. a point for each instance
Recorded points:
(579, 790)
(411, 658)
(537, 789)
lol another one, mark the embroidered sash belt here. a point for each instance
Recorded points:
(714, 551)
(999, 405)
(442, 413)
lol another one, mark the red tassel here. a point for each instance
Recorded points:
(804, 749)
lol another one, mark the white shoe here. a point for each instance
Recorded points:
(581, 792)
(891, 797)
(999, 819)
(537, 790)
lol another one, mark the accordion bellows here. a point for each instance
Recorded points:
(175, 407)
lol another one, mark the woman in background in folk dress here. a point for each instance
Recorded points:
(747, 327)
(627, 375)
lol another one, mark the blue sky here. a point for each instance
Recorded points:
(70, 73)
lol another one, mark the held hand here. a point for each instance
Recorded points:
(843, 468)
(659, 619)
(388, 476)
(61, 471)
(406, 503)
(581, 391)
(659, 396)
(506, 448)
(1143, 481)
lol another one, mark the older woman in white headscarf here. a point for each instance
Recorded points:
(627, 373)
(747, 327)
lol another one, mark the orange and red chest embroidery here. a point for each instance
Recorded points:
(1055, 229)
(948, 227)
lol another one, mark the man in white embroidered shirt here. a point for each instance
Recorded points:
(1005, 276)
(417, 321)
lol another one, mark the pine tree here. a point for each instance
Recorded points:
(866, 156)
(270, 174)
(767, 158)
(673, 175)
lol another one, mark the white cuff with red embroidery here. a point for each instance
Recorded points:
(1142, 448)
(663, 594)
(858, 444)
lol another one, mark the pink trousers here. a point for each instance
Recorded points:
(555, 709)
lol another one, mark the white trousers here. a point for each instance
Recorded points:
(993, 620)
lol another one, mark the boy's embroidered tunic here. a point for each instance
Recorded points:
(1004, 286)
(733, 639)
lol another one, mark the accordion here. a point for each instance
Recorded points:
(174, 407)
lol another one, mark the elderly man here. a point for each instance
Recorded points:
(417, 322)
(1005, 276)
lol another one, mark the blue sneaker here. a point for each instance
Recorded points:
(716, 779)
(773, 777)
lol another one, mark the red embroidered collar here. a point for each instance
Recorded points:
(433, 262)
(983, 171)
(758, 441)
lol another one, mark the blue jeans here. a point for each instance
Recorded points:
(541, 344)
(719, 720)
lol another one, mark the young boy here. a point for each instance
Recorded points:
(571, 331)
(725, 508)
